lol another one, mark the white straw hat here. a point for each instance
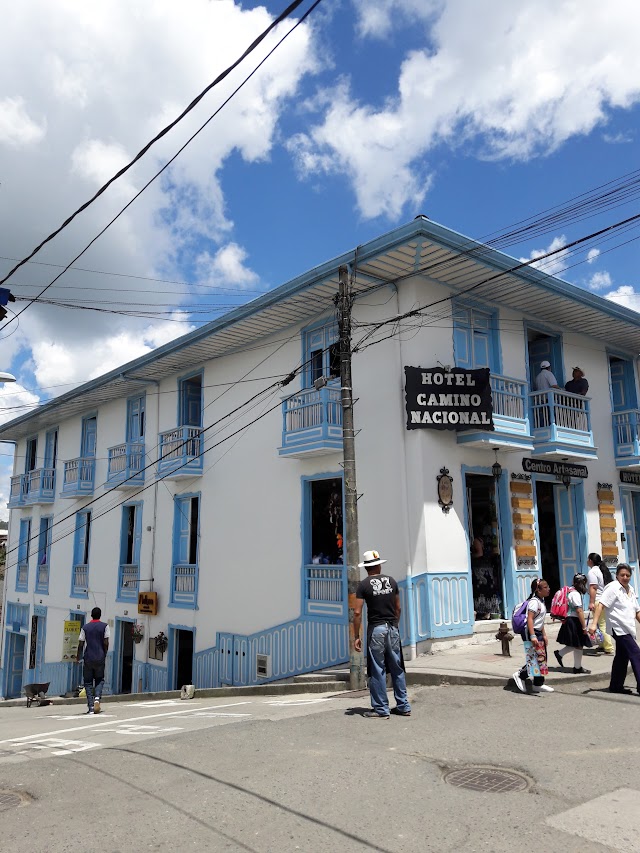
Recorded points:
(370, 559)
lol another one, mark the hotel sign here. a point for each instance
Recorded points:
(632, 477)
(556, 469)
(453, 399)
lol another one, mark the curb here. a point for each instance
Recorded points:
(436, 679)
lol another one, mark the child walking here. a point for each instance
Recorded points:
(535, 641)
(573, 632)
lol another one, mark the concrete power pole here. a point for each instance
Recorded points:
(352, 550)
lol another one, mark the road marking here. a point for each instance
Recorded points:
(285, 703)
(132, 729)
(57, 745)
(73, 716)
(213, 714)
(154, 703)
(15, 740)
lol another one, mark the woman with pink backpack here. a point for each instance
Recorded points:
(573, 632)
(535, 639)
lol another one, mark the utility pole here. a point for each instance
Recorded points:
(352, 550)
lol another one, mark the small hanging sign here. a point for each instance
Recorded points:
(445, 490)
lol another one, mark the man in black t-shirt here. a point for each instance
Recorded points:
(384, 652)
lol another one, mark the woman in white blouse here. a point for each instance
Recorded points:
(620, 602)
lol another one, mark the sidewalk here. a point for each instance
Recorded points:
(484, 664)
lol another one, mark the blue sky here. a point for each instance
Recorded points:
(477, 113)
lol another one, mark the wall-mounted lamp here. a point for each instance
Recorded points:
(496, 468)
(566, 481)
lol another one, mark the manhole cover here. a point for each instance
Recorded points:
(9, 799)
(490, 779)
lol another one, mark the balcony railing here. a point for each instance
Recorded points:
(125, 465)
(22, 577)
(312, 422)
(325, 590)
(561, 422)
(180, 452)
(510, 417)
(184, 585)
(17, 491)
(128, 582)
(79, 476)
(40, 486)
(625, 436)
(80, 581)
(42, 578)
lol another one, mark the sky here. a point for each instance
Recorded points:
(476, 113)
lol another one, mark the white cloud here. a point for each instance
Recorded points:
(554, 264)
(592, 254)
(600, 280)
(17, 128)
(618, 138)
(514, 79)
(226, 268)
(376, 20)
(625, 295)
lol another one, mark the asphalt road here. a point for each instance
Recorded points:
(310, 773)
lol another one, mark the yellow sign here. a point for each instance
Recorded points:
(148, 603)
(70, 639)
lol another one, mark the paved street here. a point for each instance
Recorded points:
(310, 773)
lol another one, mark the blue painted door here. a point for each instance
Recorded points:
(623, 386)
(89, 435)
(191, 401)
(16, 665)
(51, 449)
(629, 507)
(570, 558)
(233, 664)
(136, 419)
(474, 339)
(545, 349)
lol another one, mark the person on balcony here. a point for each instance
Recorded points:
(577, 385)
(545, 379)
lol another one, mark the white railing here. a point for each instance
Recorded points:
(508, 396)
(324, 583)
(80, 579)
(184, 578)
(17, 489)
(42, 581)
(125, 459)
(22, 579)
(311, 408)
(560, 408)
(180, 443)
(129, 578)
(39, 482)
(79, 473)
(625, 431)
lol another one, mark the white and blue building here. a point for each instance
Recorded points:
(174, 474)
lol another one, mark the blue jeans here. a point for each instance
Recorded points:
(93, 672)
(385, 656)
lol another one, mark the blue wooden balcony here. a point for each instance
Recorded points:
(22, 576)
(325, 591)
(125, 466)
(42, 578)
(80, 581)
(561, 424)
(79, 477)
(312, 422)
(184, 585)
(39, 486)
(510, 418)
(180, 452)
(17, 491)
(625, 438)
(128, 582)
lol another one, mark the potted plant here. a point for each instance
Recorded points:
(137, 632)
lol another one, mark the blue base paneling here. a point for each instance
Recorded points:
(154, 677)
(435, 605)
(57, 674)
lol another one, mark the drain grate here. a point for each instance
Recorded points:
(9, 800)
(492, 780)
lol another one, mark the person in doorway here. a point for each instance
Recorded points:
(623, 611)
(545, 379)
(573, 631)
(384, 652)
(598, 577)
(94, 641)
(535, 641)
(577, 385)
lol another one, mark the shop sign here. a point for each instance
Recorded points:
(148, 603)
(556, 469)
(632, 477)
(70, 639)
(454, 399)
(33, 645)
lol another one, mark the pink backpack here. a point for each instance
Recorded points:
(559, 603)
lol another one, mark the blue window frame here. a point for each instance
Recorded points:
(190, 401)
(186, 551)
(136, 410)
(44, 554)
(623, 384)
(320, 352)
(476, 341)
(31, 455)
(24, 549)
(51, 448)
(130, 542)
(81, 551)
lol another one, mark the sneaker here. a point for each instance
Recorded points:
(559, 658)
(400, 713)
(624, 690)
(519, 682)
(374, 715)
(543, 688)
(90, 711)
(96, 706)
(581, 671)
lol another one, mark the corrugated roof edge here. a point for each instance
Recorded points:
(419, 227)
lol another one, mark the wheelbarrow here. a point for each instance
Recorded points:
(37, 693)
